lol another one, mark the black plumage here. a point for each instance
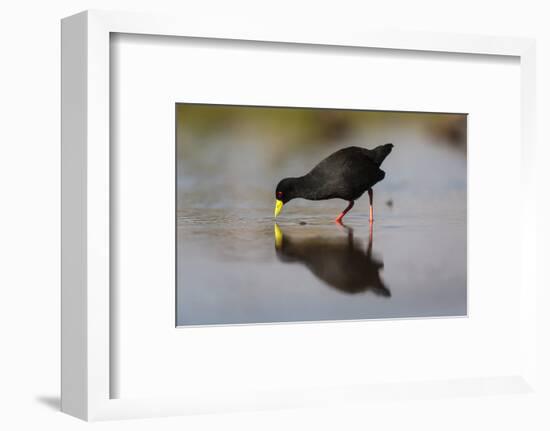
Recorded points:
(345, 174)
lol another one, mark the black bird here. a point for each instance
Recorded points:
(345, 174)
(341, 262)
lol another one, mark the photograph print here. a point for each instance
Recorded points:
(292, 214)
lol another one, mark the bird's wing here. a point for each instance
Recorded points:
(362, 172)
(346, 174)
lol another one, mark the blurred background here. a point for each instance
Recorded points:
(229, 160)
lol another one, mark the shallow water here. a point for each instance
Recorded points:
(230, 270)
(235, 266)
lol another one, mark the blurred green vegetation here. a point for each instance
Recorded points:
(310, 125)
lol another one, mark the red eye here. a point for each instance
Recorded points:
(279, 195)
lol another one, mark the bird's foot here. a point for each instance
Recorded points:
(339, 218)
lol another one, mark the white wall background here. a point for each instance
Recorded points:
(30, 199)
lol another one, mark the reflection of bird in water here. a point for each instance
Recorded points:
(341, 262)
(345, 174)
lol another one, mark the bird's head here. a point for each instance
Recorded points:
(284, 192)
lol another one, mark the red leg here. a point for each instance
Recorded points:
(370, 239)
(371, 212)
(343, 213)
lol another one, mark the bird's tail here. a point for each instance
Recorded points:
(381, 152)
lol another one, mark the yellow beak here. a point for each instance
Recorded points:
(278, 207)
(278, 236)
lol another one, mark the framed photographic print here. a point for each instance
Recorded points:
(250, 212)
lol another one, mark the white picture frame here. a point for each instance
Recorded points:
(86, 200)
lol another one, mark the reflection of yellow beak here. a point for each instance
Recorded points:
(278, 236)
(278, 207)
